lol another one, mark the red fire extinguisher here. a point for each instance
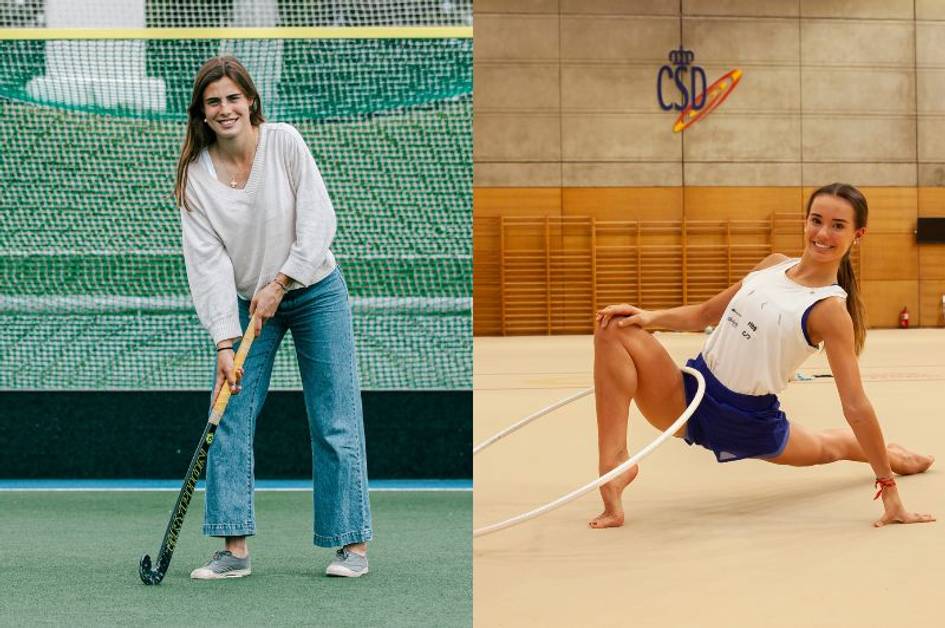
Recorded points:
(904, 318)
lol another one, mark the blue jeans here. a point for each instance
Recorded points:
(319, 317)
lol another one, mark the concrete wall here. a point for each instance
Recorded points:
(567, 120)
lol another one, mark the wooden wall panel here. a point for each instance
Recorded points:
(546, 278)
(661, 247)
(524, 259)
(932, 277)
(931, 201)
(931, 261)
(885, 299)
(549, 275)
(516, 202)
(487, 296)
(623, 203)
(571, 277)
(889, 256)
(722, 203)
(787, 233)
(931, 303)
(892, 210)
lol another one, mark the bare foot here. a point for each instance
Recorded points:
(905, 462)
(611, 493)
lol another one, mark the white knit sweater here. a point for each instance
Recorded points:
(236, 241)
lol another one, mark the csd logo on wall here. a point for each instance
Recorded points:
(681, 86)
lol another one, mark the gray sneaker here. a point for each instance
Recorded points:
(347, 564)
(223, 565)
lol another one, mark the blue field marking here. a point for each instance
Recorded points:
(261, 485)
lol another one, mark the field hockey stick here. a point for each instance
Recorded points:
(154, 576)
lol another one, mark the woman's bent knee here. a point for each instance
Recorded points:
(615, 332)
(604, 335)
(626, 337)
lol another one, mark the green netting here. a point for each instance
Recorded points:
(93, 291)
(247, 13)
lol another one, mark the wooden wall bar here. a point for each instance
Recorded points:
(545, 259)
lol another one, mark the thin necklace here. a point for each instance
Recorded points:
(235, 180)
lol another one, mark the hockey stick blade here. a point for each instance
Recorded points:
(154, 574)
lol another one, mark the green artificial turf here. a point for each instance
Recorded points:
(72, 559)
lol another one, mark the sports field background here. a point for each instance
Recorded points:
(94, 296)
(72, 559)
(90, 249)
(94, 300)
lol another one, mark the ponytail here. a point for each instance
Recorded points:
(851, 284)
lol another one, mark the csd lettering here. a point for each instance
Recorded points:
(680, 83)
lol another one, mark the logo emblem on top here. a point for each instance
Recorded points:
(681, 56)
(695, 99)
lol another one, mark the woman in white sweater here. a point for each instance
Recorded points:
(766, 325)
(257, 225)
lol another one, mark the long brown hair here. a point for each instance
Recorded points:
(845, 275)
(199, 135)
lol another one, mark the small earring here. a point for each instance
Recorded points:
(204, 120)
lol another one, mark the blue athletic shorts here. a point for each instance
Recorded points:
(731, 424)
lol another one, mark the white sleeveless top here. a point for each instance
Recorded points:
(760, 341)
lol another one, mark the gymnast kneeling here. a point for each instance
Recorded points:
(766, 326)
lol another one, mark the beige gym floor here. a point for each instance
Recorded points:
(705, 544)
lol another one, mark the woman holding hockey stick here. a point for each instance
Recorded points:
(257, 225)
(766, 326)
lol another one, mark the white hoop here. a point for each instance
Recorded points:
(607, 477)
(531, 417)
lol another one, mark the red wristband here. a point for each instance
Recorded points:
(883, 484)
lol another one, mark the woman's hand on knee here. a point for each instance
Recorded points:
(265, 303)
(627, 315)
(227, 372)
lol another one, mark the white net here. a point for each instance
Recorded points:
(93, 292)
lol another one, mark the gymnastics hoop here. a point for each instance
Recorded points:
(531, 417)
(607, 477)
